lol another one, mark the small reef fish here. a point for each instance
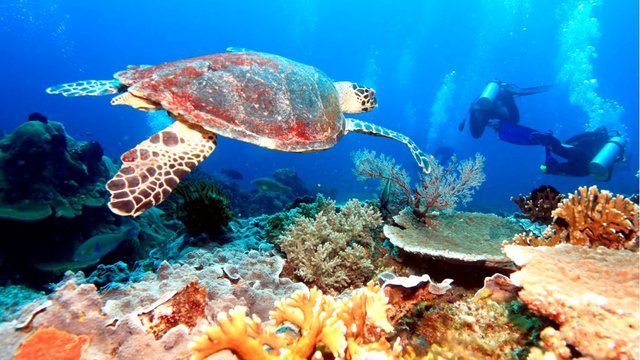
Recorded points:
(100, 245)
(385, 196)
(270, 185)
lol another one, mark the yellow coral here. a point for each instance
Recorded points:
(590, 217)
(349, 329)
(596, 218)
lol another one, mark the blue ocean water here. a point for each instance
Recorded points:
(427, 61)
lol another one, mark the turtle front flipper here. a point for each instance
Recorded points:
(88, 88)
(424, 161)
(152, 169)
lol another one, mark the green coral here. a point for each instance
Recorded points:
(332, 250)
(201, 206)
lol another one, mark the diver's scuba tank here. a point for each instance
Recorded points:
(488, 95)
(600, 165)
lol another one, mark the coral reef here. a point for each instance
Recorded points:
(441, 189)
(334, 249)
(539, 204)
(351, 328)
(593, 294)
(593, 218)
(468, 238)
(154, 315)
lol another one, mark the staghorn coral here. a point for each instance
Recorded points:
(333, 250)
(590, 217)
(441, 189)
(539, 204)
(593, 294)
(348, 329)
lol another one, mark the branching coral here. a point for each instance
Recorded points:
(539, 205)
(332, 250)
(442, 189)
(342, 328)
(593, 218)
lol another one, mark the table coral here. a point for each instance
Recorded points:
(52, 344)
(469, 238)
(349, 328)
(593, 294)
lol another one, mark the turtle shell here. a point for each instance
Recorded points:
(260, 98)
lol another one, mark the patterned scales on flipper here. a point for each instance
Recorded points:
(152, 169)
(424, 161)
(87, 88)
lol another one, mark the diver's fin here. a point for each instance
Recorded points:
(87, 88)
(526, 91)
(152, 169)
(424, 161)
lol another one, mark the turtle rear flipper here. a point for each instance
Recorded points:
(88, 88)
(152, 169)
(424, 161)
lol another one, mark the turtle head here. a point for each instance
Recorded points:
(355, 98)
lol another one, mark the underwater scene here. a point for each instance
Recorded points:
(319, 179)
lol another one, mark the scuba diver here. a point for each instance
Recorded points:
(496, 105)
(589, 153)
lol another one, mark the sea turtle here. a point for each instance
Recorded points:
(260, 98)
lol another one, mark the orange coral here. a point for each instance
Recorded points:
(344, 328)
(52, 344)
(592, 218)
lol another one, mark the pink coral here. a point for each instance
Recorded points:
(593, 294)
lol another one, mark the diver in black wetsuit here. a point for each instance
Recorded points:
(496, 105)
(589, 153)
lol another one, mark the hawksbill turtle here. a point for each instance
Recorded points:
(259, 98)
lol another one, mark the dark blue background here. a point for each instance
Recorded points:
(402, 48)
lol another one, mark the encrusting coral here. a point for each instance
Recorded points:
(318, 325)
(52, 344)
(592, 218)
(333, 250)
